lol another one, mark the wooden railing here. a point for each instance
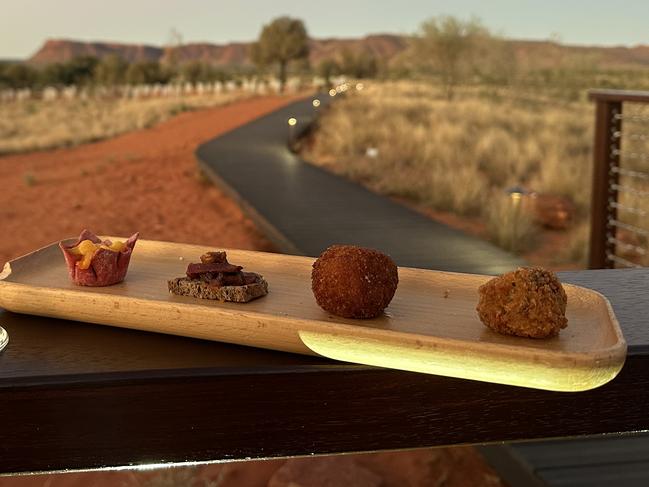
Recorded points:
(620, 188)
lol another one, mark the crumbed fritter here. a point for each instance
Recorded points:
(529, 302)
(354, 282)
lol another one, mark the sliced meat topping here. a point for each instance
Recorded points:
(194, 271)
(217, 271)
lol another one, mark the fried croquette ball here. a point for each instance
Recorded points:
(354, 282)
(529, 302)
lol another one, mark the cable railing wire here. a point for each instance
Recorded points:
(630, 190)
(620, 191)
(641, 156)
(630, 118)
(630, 173)
(627, 226)
(621, 260)
(627, 246)
(628, 209)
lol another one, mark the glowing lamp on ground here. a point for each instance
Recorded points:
(332, 92)
(316, 103)
(292, 121)
(516, 193)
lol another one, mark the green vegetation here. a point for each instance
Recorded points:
(460, 155)
(361, 64)
(280, 42)
(146, 72)
(408, 140)
(451, 47)
(476, 118)
(450, 124)
(17, 75)
(444, 51)
(326, 69)
(109, 71)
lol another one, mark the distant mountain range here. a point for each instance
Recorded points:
(384, 46)
(236, 53)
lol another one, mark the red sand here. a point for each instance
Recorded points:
(146, 181)
(448, 467)
(142, 181)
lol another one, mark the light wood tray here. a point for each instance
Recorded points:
(422, 330)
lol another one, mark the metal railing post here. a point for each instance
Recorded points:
(606, 156)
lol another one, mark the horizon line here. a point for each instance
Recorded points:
(363, 36)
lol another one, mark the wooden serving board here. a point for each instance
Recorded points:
(431, 325)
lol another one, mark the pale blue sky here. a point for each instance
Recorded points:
(25, 24)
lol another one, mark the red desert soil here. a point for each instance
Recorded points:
(447, 467)
(142, 181)
(146, 181)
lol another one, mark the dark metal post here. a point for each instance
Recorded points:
(606, 155)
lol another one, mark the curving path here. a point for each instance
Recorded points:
(303, 209)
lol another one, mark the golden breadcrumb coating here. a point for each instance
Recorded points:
(529, 302)
(354, 282)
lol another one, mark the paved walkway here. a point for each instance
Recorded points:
(304, 209)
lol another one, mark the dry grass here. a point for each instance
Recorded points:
(37, 124)
(577, 250)
(460, 155)
(509, 226)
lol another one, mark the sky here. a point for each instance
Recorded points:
(26, 24)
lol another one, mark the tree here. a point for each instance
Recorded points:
(111, 70)
(3, 78)
(81, 70)
(19, 75)
(146, 72)
(283, 40)
(447, 46)
(347, 61)
(55, 74)
(172, 50)
(367, 66)
(195, 71)
(363, 64)
(192, 71)
(328, 68)
(77, 71)
(496, 61)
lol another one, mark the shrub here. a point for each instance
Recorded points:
(508, 225)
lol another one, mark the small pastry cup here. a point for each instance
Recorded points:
(107, 267)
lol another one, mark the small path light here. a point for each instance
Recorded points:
(516, 194)
(332, 92)
(292, 122)
(316, 103)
